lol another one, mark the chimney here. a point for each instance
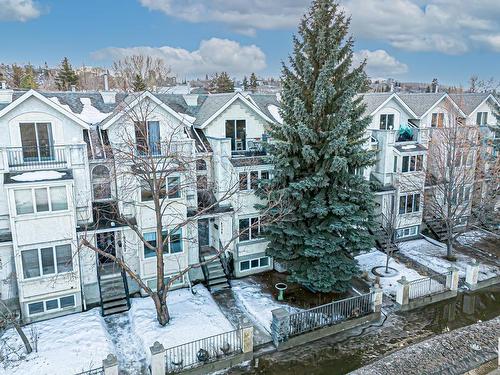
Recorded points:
(392, 87)
(437, 88)
(5, 93)
(191, 99)
(106, 83)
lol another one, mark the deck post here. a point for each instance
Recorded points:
(376, 298)
(471, 274)
(110, 365)
(403, 291)
(158, 365)
(452, 278)
(247, 339)
(280, 325)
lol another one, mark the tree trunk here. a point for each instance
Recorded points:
(23, 337)
(449, 249)
(162, 314)
(387, 263)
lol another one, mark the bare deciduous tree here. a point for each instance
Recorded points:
(153, 71)
(150, 174)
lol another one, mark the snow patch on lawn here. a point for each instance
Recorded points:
(376, 258)
(258, 303)
(66, 345)
(471, 237)
(432, 256)
(192, 317)
(38, 176)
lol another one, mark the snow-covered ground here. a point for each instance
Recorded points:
(66, 346)
(192, 317)
(431, 255)
(258, 303)
(376, 258)
(471, 237)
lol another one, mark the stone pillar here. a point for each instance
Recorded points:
(280, 326)
(110, 365)
(247, 339)
(469, 304)
(403, 291)
(452, 278)
(157, 359)
(376, 298)
(471, 274)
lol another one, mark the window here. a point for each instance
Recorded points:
(58, 198)
(174, 189)
(172, 186)
(386, 122)
(409, 203)
(250, 180)
(236, 130)
(247, 265)
(254, 180)
(407, 232)
(437, 120)
(24, 203)
(42, 200)
(147, 137)
(36, 140)
(50, 305)
(395, 166)
(250, 229)
(264, 175)
(173, 246)
(152, 282)
(243, 179)
(46, 261)
(461, 195)
(412, 163)
(482, 118)
(101, 183)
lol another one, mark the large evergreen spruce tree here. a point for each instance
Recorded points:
(318, 153)
(66, 77)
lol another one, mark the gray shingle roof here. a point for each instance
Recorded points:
(210, 105)
(374, 100)
(468, 102)
(421, 102)
(263, 101)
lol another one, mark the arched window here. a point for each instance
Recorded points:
(101, 183)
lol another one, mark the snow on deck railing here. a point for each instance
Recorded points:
(206, 350)
(428, 286)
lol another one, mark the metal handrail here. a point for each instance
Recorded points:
(125, 285)
(99, 283)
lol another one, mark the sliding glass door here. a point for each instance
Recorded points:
(36, 140)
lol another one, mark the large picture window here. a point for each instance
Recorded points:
(41, 200)
(250, 229)
(414, 163)
(409, 203)
(46, 261)
(172, 189)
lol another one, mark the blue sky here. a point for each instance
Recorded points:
(413, 40)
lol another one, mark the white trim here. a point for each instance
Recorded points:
(400, 101)
(146, 94)
(231, 101)
(50, 103)
(484, 101)
(250, 268)
(445, 96)
(44, 303)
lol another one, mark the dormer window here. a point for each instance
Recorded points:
(36, 140)
(482, 118)
(437, 120)
(387, 121)
(236, 130)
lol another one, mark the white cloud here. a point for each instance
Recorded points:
(18, 10)
(490, 40)
(447, 26)
(380, 63)
(213, 55)
(243, 16)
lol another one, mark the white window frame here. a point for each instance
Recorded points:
(251, 230)
(166, 188)
(49, 199)
(44, 302)
(410, 170)
(250, 263)
(438, 115)
(249, 179)
(483, 118)
(407, 232)
(169, 243)
(54, 258)
(406, 196)
(386, 117)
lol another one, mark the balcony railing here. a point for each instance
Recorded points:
(249, 147)
(33, 157)
(406, 135)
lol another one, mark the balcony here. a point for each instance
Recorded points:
(406, 134)
(249, 147)
(33, 157)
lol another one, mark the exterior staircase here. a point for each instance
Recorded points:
(216, 278)
(113, 289)
(437, 228)
(383, 240)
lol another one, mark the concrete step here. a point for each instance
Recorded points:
(214, 264)
(115, 310)
(114, 303)
(107, 297)
(216, 274)
(219, 280)
(219, 288)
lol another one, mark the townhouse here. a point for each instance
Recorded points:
(59, 185)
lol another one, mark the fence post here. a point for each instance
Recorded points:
(452, 278)
(247, 333)
(403, 291)
(280, 326)
(471, 274)
(110, 365)
(158, 366)
(376, 298)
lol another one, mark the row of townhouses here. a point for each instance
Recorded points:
(57, 181)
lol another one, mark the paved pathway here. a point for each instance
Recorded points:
(239, 316)
(128, 346)
(455, 352)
